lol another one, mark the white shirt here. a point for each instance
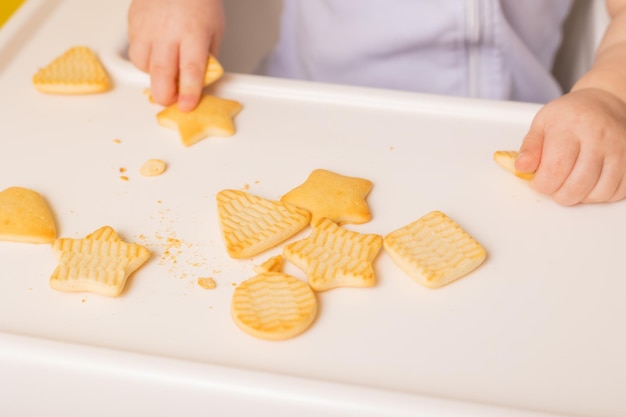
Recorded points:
(498, 49)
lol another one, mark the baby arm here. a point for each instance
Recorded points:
(171, 40)
(576, 145)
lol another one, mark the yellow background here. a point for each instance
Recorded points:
(7, 7)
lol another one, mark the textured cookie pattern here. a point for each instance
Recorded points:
(335, 257)
(251, 224)
(273, 306)
(434, 250)
(214, 71)
(77, 71)
(99, 263)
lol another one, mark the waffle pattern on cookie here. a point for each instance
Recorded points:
(273, 306)
(99, 263)
(434, 250)
(77, 71)
(335, 257)
(251, 224)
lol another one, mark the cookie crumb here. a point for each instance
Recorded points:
(207, 283)
(153, 167)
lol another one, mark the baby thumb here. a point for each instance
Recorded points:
(529, 156)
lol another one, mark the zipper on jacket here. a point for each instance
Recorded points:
(473, 33)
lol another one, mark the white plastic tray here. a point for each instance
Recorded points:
(536, 330)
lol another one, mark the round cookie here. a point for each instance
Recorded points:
(273, 306)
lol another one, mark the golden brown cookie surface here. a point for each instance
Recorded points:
(77, 71)
(434, 250)
(273, 306)
(506, 159)
(251, 224)
(212, 117)
(332, 256)
(99, 263)
(337, 197)
(25, 217)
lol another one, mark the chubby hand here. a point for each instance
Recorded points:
(576, 146)
(171, 40)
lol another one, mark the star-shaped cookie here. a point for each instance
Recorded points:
(25, 217)
(99, 263)
(327, 194)
(212, 117)
(332, 256)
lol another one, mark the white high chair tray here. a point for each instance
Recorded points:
(538, 329)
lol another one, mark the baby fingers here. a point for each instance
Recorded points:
(611, 184)
(587, 176)
(553, 177)
(163, 70)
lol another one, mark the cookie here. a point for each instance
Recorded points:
(25, 217)
(337, 197)
(273, 306)
(214, 71)
(100, 263)
(77, 71)
(273, 264)
(251, 224)
(207, 283)
(506, 159)
(212, 117)
(153, 168)
(434, 250)
(332, 256)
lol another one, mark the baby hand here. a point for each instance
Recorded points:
(171, 40)
(576, 146)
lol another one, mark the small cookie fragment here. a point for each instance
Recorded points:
(152, 168)
(25, 217)
(434, 250)
(335, 257)
(214, 71)
(506, 159)
(251, 224)
(207, 283)
(77, 71)
(212, 117)
(337, 197)
(99, 263)
(273, 306)
(273, 264)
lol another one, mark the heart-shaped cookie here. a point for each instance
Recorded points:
(25, 217)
